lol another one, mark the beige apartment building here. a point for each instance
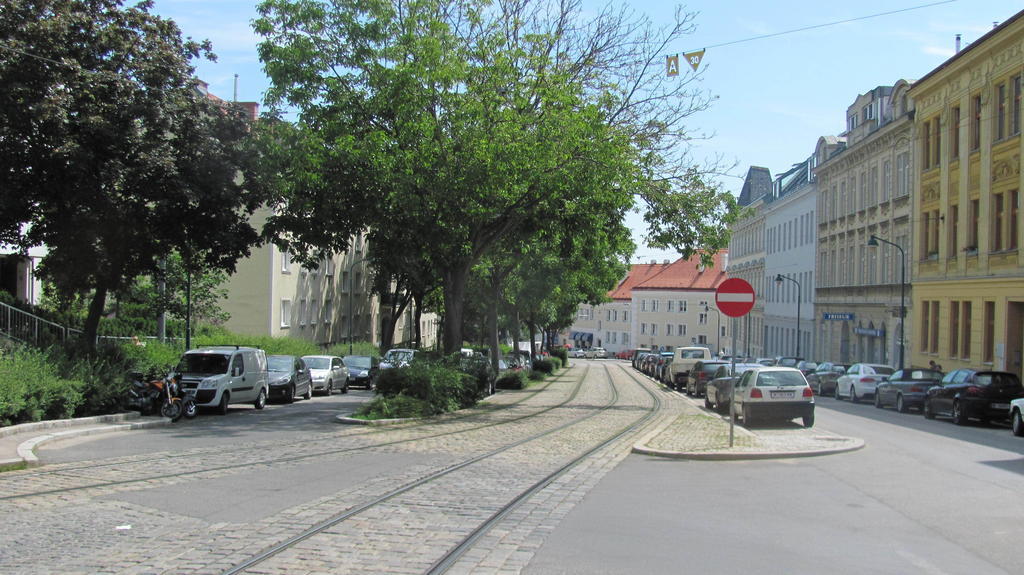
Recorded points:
(747, 258)
(968, 265)
(865, 179)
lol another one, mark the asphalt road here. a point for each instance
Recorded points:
(922, 497)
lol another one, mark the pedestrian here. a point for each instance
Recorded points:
(933, 365)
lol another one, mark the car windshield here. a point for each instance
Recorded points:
(358, 361)
(779, 378)
(280, 363)
(882, 369)
(692, 354)
(318, 362)
(999, 379)
(394, 355)
(203, 363)
(922, 374)
(788, 362)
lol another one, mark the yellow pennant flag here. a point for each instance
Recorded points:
(672, 65)
(694, 58)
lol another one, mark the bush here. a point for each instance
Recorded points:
(536, 376)
(442, 388)
(358, 348)
(544, 366)
(556, 363)
(31, 388)
(272, 345)
(511, 380)
(561, 353)
(394, 407)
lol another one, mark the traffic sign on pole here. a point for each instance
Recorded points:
(735, 297)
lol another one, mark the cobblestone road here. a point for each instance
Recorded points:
(75, 518)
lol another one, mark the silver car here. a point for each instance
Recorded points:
(328, 372)
(773, 393)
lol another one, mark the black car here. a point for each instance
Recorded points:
(823, 379)
(289, 378)
(907, 388)
(700, 375)
(973, 394)
(362, 369)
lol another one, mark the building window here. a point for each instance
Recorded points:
(643, 305)
(997, 222)
(975, 127)
(925, 326)
(954, 230)
(988, 346)
(654, 329)
(286, 262)
(654, 305)
(286, 313)
(328, 310)
(702, 319)
(668, 329)
(302, 312)
(954, 328)
(1000, 131)
(972, 228)
(1015, 98)
(643, 328)
(682, 306)
(926, 133)
(625, 338)
(902, 174)
(965, 327)
(681, 329)
(954, 134)
(1011, 229)
(935, 328)
(625, 316)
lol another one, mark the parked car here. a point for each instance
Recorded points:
(397, 357)
(967, 394)
(362, 370)
(599, 353)
(788, 361)
(823, 379)
(329, 373)
(624, 354)
(638, 354)
(685, 358)
(223, 375)
(662, 369)
(663, 361)
(807, 367)
(288, 377)
(702, 372)
(773, 393)
(861, 379)
(718, 390)
(765, 361)
(1016, 418)
(906, 388)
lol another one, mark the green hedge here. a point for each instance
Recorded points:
(511, 380)
(544, 366)
(442, 388)
(32, 389)
(562, 354)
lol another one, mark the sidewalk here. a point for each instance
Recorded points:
(700, 434)
(18, 442)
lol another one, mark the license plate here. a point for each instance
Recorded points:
(1000, 406)
(783, 394)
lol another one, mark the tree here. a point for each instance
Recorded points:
(111, 154)
(464, 120)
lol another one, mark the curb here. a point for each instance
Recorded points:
(26, 449)
(373, 422)
(853, 445)
(63, 423)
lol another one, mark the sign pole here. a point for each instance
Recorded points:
(735, 298)
(732, 412)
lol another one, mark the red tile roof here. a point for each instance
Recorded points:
(678, 275)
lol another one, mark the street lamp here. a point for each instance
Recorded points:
(873, 243)
(708, 308)
(351, 296)
(778, 281)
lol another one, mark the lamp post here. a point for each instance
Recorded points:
(778, 281)
(708, 308)
(873, 242)
(351, 296)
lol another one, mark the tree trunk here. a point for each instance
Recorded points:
(417, 301)
(92, 320)
(454, 288)
(493, 331)
(388, 329)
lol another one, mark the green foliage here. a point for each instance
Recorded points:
(544, 366)
(32, 389)
(214, 335)
(562, 354)
(536, 376)
(358, 348)
(442, 388)
(556, 363)
(511, 380)
(394, 407)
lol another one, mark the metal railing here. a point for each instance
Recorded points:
(25, 327)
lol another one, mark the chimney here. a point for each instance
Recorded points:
(664, 262)
(957, 44)
(654, 262)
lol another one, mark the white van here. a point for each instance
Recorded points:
(219, 376)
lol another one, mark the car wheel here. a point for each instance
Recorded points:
(878, 401)
(261, 400)
(344, 387)
(289, 396)
(722, 408)
(707, 403)
(853, 394)
(836, 393)
(900, 406)
(1017, 423)
(190, 410)
(222, 407)
(309, 391)
(926, 410)
(959, 417)
(809, 420)
(329, 389)
(747, 417)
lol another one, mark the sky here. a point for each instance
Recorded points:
(775, 96)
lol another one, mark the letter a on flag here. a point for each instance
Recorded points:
(694, 58)
(672, 65)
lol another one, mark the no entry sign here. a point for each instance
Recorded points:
(735, 297)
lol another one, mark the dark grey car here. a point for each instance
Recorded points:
(289, 377)
(906, 389)
(823, 379)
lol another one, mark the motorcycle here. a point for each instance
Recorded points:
(165, 396)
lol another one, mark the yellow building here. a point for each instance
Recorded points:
(968, 270)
